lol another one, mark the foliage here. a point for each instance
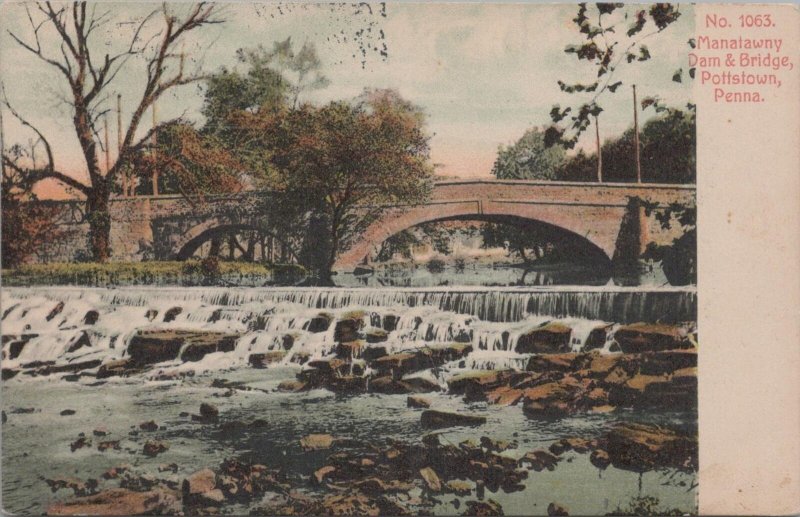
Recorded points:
(678, 259)
(526, 243)
(190, 163)
(668, 153)
(27, 224)
(347, 159)
(433, 234)
(191, 272)
(435, 265)
(528, 158)
(612, 35)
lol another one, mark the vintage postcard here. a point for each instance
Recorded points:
(393, 258)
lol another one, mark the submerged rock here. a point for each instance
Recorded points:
(315, 442)
(415, 401)
(438, 419)
(643, 447)
(488, 508)
(153, 448)
(557, 510)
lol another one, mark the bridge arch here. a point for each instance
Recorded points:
(206, 231)
(595, 228)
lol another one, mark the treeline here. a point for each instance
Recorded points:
(667, 152)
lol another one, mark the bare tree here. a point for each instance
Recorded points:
(89, 74)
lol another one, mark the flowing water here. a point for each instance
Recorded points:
(36, 437)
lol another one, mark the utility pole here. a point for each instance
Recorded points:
(108, 149)
(636, 136)
(125, 186)
(599, 150)
(155, 142)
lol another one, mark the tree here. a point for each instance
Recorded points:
(348, 159)
(679, 258)
(528, 158)
(62, 37)
(612, 35)
(27, 224)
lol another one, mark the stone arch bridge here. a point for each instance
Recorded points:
(170, 227)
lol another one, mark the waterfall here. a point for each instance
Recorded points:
(54, 320)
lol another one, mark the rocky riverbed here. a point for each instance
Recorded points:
(169, 408)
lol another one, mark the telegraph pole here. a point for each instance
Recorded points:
(108, 149)
(636, 136)
(599, 150)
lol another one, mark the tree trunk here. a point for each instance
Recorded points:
(99, 220)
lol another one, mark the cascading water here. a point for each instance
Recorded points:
(54, 320)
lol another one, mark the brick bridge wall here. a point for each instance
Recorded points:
(159, 227)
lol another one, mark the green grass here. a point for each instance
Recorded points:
(152, 273)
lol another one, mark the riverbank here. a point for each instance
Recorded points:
(164, 273)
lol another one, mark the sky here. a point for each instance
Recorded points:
(482, 73)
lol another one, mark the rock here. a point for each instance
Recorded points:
(320, 323)
(168, 467)
(78, 487)
(115, 472)
(643, 447)
(550, 400)
(5, 418)
(677, 392)
(199, 483)
(323, 473)
(119, 501)
(419, 359)
(78, 342)
(540, 460)
(155, 346)
(650, 337)
(459, 488)
(55, 311)
(504, 396)
(209, 412)
(660, 363)
(116, 368)
(390, 322)
(478, 381)
(300, 357)
(421, 384)
(350, 504)
(8, 373)
(17, 344)
(596, 339)
(172, 313)
(91, 317)
(493, 445)
(370, 353)
(265, 359)
(432, 481)
(314, 442)
(349, 350)
(556, 510)
(488, 508)
(291, 386)
(349, 326)
(548, 338)
(67, 412)
(100, 431)
(150, 426)
(348, 384)
(110, 444)
(376, 335)
(551, 362)
(579, 445)
(415, 401)
(600, 459)
(80, 443)
(153, 448)
(438, 419)
(151, 314)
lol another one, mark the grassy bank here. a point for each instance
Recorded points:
(186, 273)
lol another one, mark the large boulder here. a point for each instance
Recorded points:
(320, 323)
(549, 338)
(155, 346)
(349, 326)
(119, 501)
(267, 358)
(651, 337)
(643, 447)
(551, 362)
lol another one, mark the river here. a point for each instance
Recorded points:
(36, 436)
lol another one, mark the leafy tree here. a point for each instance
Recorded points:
(668, 152)
(434, 234)
(348, 159)
(612, 35)
(679, 258)
(62, 37)
(528, 158)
